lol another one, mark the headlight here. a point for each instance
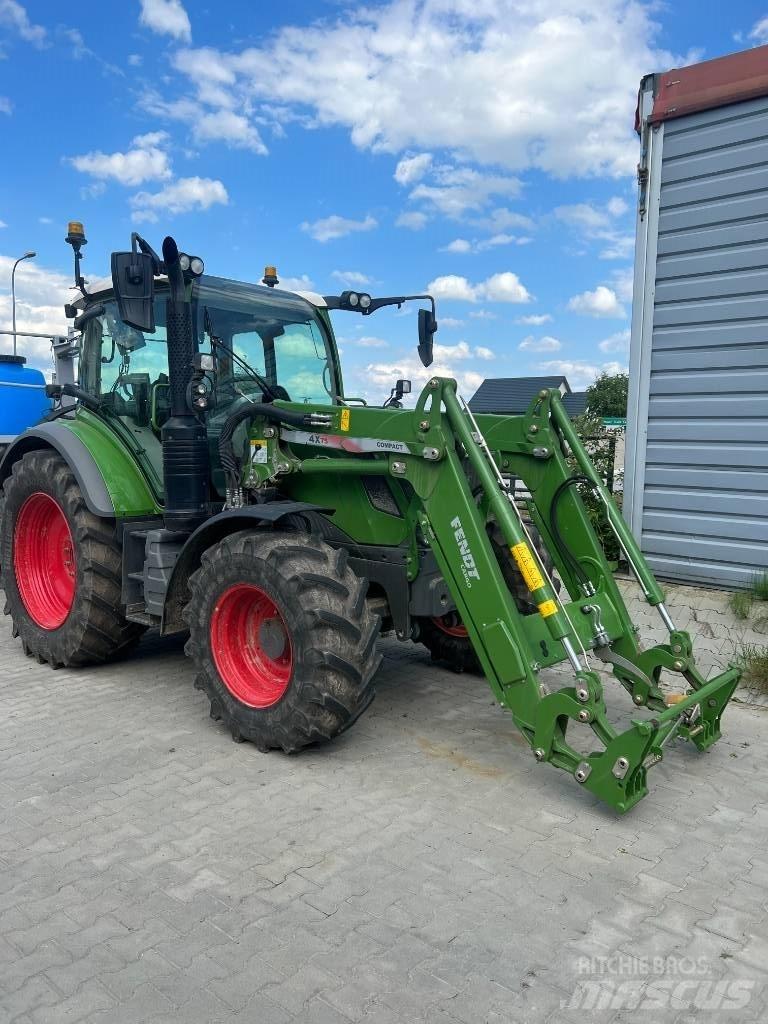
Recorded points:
(365, 301)
(353, 298)
(184, 261)
(197, 266)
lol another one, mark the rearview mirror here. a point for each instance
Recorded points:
(427, 328)
(133, 280)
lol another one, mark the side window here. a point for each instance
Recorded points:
(125, 368)
(302, 365)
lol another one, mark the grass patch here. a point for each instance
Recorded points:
(741, 603)
(754, 661)
(759, 587)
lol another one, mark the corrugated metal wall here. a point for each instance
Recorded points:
(705, 487)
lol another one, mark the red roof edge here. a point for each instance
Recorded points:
(713, 83)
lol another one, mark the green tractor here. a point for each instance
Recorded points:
(207, 474)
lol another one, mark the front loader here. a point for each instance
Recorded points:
(207, 474)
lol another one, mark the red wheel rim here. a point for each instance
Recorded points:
(44, 561)
(451, 625)
(251, 646)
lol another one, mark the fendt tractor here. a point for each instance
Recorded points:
(206, 473)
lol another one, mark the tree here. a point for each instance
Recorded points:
(608, 395)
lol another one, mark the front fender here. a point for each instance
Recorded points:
(208, 534)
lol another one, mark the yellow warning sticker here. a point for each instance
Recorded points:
(344, 423)
(547, 608)
(526, 563)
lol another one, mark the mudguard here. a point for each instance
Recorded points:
(211, 531)
(75, 454)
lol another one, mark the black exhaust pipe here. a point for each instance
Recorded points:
(186, 461)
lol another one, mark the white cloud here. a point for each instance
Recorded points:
(206, 125)
(296, 284)
(370, 342)
(3, 224)
(484, 353)
(623, 283)
(535, 319)
(458, 245)
(166, 17)
(414, 220)
(451, 75)
(482, 314)
(379, 377)
(179, 197)
(45, 220)
(327, 228)
(453, 286)
(602, 302)
(40, 297)
(134, 60)
(502, 219)
(6, 107)
(15, 17)
(352, 278)
(230, 127)
(462, 245)
(454, 190)
(545, 344)
(618, 342)
(759, 31)
(580, 374)
(450, 322)
(412, 168)
(599, 223)
(146, 160)
(503, 287)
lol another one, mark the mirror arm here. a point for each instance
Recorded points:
(146, 248)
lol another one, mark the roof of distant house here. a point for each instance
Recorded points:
(514, 394)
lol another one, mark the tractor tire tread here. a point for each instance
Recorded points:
(333, 634)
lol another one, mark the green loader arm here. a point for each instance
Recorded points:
(431, 450)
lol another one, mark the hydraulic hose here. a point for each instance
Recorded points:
(573, 563)
(251, 411)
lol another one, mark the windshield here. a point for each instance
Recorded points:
(275, 334)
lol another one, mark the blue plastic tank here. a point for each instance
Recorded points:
(22, 397)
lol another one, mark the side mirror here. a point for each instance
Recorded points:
(427, 328)
(133, 280)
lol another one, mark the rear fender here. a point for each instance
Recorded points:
(75, 454)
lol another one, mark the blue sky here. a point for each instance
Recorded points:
(483, 148)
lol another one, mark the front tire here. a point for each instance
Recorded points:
(447, 638)
(282, 638)
(61, 567)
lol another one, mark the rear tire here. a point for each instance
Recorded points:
(447, 639)
(282, 638)
(61, 567)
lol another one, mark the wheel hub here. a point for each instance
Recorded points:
(251, 646)
(44, 561)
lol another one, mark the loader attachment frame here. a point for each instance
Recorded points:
(454, 470)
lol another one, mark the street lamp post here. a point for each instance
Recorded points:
(27, 256)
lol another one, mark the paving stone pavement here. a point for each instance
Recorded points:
(421, 868)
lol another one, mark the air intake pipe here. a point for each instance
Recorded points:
(186, 461)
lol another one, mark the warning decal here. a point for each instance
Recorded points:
(344, 419)
(526, 563)
(547, 608)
